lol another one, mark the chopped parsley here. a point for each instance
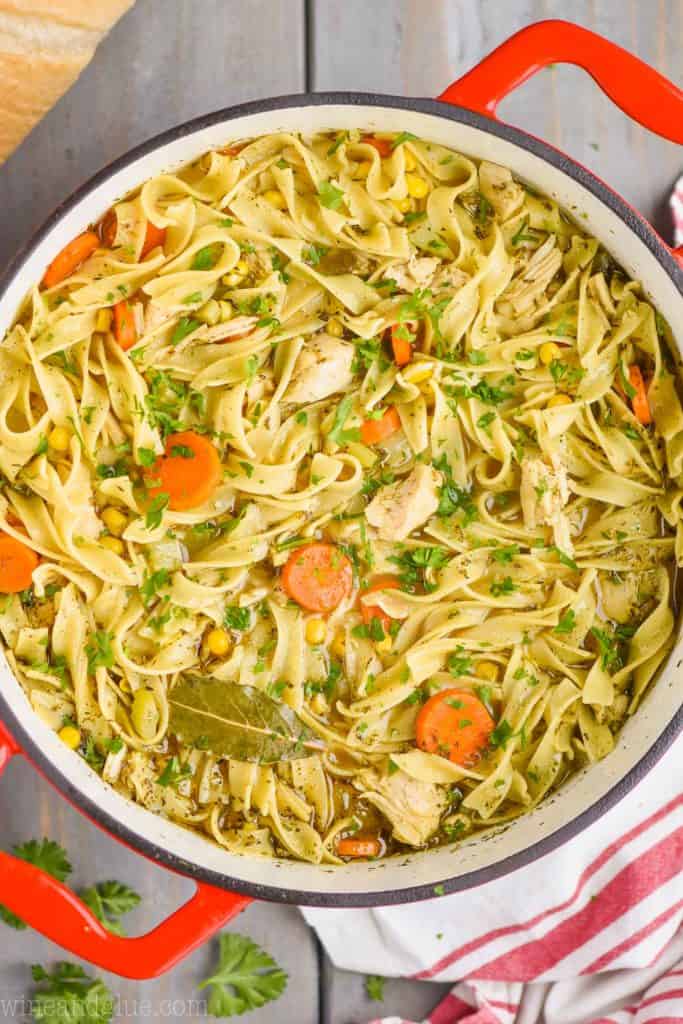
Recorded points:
(99, 650)
(499, 588)
(567, 622)
(453, 498)
(186, 325)
(155, 511)
(416, 562)
(237, 618)
(329, 195)
(338, 435)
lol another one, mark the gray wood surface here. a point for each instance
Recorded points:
(169, 60)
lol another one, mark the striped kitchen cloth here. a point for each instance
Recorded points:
(582, 931)
(676, 202)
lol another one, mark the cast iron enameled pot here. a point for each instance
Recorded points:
(464, 118)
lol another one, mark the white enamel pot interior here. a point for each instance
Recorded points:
(586, 795)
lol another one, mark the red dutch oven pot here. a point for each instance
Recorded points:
(464, 116)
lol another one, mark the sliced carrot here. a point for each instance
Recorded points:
(234, 150)
(455, 724)
(383, 146)
(188, 472)
(374, 431)
(373, 611)
(109, 225)
(125, 331)
(17, 562)
(359, 846)
(154, 236)
(70, 258)
(401, 347)
(639, 402)
(318, 577)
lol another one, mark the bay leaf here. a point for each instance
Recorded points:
(236, 721)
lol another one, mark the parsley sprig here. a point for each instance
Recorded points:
(245, 978)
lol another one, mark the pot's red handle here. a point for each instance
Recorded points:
(638, 89)
(635, 87)
(55, 911)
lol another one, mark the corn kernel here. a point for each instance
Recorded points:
(316, 631)
(275, 199)
(418, 372)
(227, 310)
(335, 328)
(404, 205)
(363, 169)
(145, 714)
(559, 399)
(486, 670)
(59, 439)
(384, 646)
(410, 161)
(218, 642)
(240, 270)
(319, 704)
(113, 544)
(209, 313)
(548, 351)
(115, 521)
(417, 186)
(71, 736)
(339, 644)
(103, 320)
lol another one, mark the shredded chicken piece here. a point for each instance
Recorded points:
(155, 316)
(449, 278)
(533, 280)
(412, 807)
(544, 491)
(322, 367)
(498, 186)
(398, 509)
(416, 273)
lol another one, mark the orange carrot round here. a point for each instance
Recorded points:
(70, 258)
(189, 471)
(383, 146)
(17, 562)
(359, 846)
(374, 431)
(318, 577)
(373, 611)
(639, 402)
(455, 724)
(401, 347)
(154, 236)
(125, 331)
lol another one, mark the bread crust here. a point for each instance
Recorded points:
(99, 15)
(44, 46)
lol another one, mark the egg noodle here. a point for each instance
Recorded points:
(364, 426)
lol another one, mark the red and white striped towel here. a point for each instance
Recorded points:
(567, 940)
(676, 202)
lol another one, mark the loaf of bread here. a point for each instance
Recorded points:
(44, 46)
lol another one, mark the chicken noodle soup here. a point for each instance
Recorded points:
(341, 496)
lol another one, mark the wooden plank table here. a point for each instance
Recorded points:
(164, 63)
